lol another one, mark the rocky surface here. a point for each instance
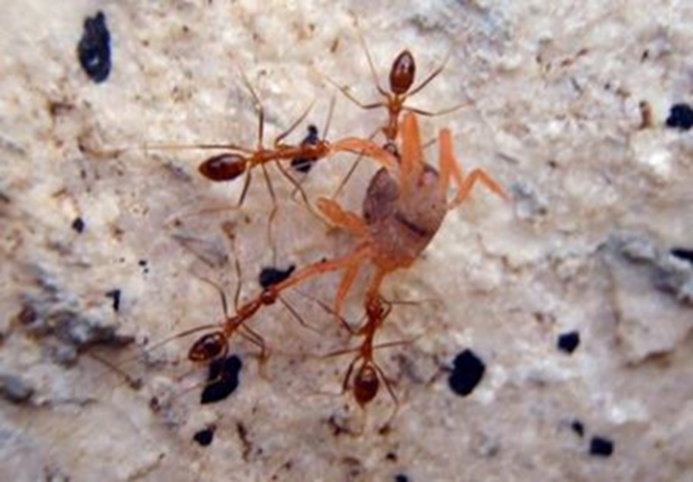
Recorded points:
(554, 332)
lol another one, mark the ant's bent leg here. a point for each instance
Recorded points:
(343, 290)
(325, 266)
(367, 148)
(450, 170)
(411, 165)
(345, 219)
(465, 187)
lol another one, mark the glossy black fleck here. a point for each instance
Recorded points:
(271, 276)
(578, 427)
(568, 342)
(205, 436)
(680, 117)
(222, 379)
(78, 225)
(601, 447)
(468, 370)
(115, 296)
(683, 253)
(94, 48)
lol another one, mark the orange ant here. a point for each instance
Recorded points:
(401, 79)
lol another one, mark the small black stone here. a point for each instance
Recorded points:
(222, 379)
(601, 447)
(115, 296)
(680, 117)
(467, 372)
(401, 478)
(144, 264)
(568, 342)
(683, 253)
(578, 427)
(94, 48)
(78, 225)
(205, 436)
(271, 276)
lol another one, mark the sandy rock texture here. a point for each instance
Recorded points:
(552, 335)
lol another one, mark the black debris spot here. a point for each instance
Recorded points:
(467, 372)
(205, 436)
(14, 389)
(271, 276)
(391, 456)
(601, 447)
(144, 264)
(78, 225)
(222, 379)
(680, 117)
(115, 296)
(94, 48)
(305, 164)
(577, 427)
(401, 478)
(568, 342)
(683, 253)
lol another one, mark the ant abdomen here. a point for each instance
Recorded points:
(224, 167)
(366, 384)
(402, 73)
(208, 347)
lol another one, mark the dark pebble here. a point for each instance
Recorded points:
(683, 253)
(401, 478)
(204, 437)
(467, 372)
(568, 342)
(271, 276)
(78, 225)
(601, 447)
(115, 296)
(222, 379)
(578, 427)
(94, 48)
(680, 117)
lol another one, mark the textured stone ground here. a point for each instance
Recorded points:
(575, 297)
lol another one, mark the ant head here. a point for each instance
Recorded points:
(209, 347)
(366, 384)
(402, 73)
(224, 167)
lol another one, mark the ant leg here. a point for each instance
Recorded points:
(246, 185)
(344, 285)
(431, 76)
(275, 208)
(348, 95)
(299, 189)
(437, 113)
(353, 167)
(367, 148)
(254, 338)
(295, 314)
(330, 310)
(345, 219)
(450, 169)
(371, 64)
(411, 165)
(260, 109)
(293, 126)
(360, 253)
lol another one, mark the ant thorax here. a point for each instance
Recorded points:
(400, 227)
